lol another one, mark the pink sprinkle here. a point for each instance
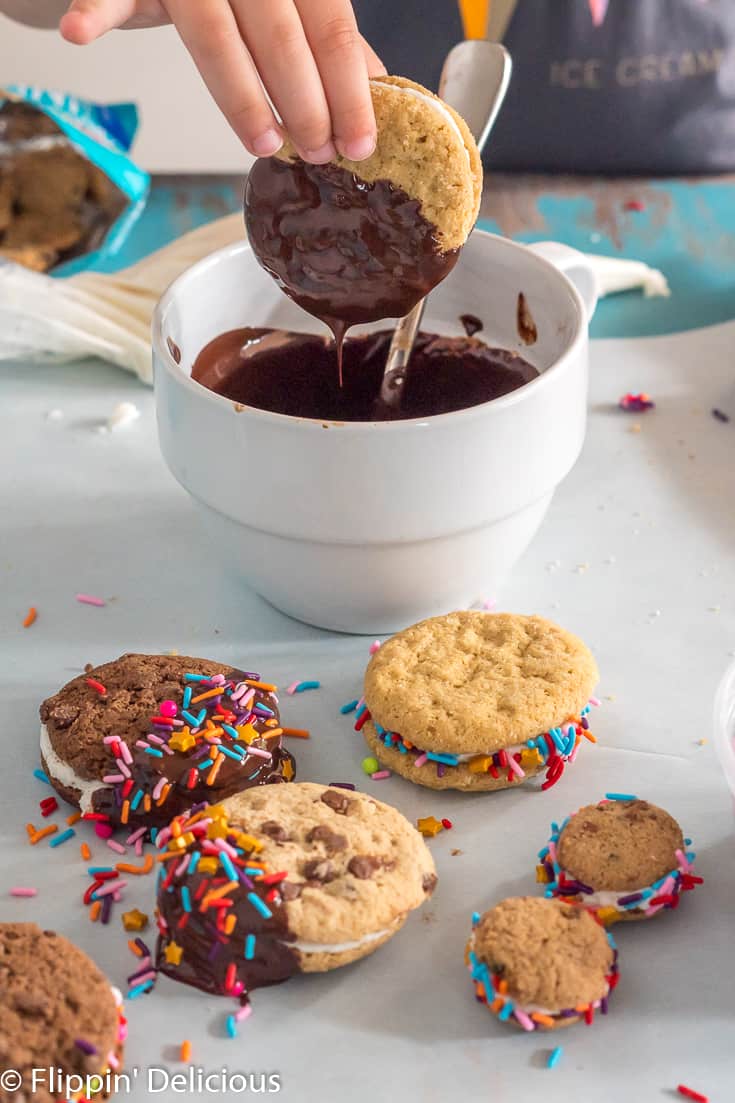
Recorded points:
(526, 1022)
(112, 1060)
(237, 988)
(143, 977)
(135, 835)
(158, 788)
(374, 646)
(152, 738)
(116, 847)
(240, 690)
(141, 743)
(181, 867)
(117, 896)
(217, 680)
(168, 708)
(109, 888)
(290, 690)
(113, 779)
(104, 830)
(123, 768)
(221, 844)
(87, 599)
(489, 604)
(126, 753)
(139, 848)
(682, 860)
(20, 891)
(595, 702)
(574, 752)
(517, 770)
(163, 836)
(379, 775)
(110, 739)
(259, 753)
(422, 758)
(244, 1013)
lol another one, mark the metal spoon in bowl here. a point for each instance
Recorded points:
(474, 81)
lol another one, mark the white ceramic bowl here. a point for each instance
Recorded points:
(724, 719)
(367, 527)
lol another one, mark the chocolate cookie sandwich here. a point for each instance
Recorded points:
(356, 241)
(62, 1027)
(623, 858)
(478, 701)
(281, 880)
(541, 964)
(139, 740)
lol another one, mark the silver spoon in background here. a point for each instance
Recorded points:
(474, 81)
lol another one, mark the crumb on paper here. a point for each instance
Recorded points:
(125, 413)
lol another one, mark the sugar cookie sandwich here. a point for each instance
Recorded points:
(623, 857)
(140, 739)
(479, 701)
(540, 964)
(285, 879)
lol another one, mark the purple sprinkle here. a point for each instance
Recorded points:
(585, 723)
(245, 879)
(342, 785)
(568, 1013)
(603, 1005)
(138, 973)
(142, 946)
(440, 769)
(632, 899)
(720, 415)
(85, 1046)
(106, 909)
(213, 951)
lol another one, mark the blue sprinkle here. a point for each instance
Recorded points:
(206, 764)
(196, 678)
(201, 718)
(252, 872)
(349, 707)
(690, 856)
(687, 842)
(57, 840)
(360, 711)
(93, 870)
(154, 751)
(402, 747)
(154, 832)
(506, 1011)
(259, 906)
(41, 776)
(303, 686)
(187, 697)
(193, 862)
(230, 754)
(378, 727)
(475, 918)
(260, 707)
(250, 947)
(620, 796)
(230, 730)
(559, 742)
(231, 1026)
(255, 773)
(554, 1057)
(543, 852)
(136, 800)
(190, 718)
(445, 759)
(139, 990)
(226, 862)
(186, 898)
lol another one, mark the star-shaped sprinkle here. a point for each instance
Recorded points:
(134, 920)
(182, 741)
(173, 953)
(429, 826)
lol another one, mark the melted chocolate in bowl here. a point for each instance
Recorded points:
(294, 373)
(345, 250)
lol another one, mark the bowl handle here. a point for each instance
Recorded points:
(578, 269)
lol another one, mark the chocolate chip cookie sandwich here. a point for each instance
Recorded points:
(355, 241)
(284, 879)
(59, 1018)
(541, 964)
(479, 701)
(139, 740)
(623, 858)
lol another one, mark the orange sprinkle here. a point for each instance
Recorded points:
(215, 769)
(44, 834)
(135, 948)
(94, 911)
(299, 733)
(230, 924)
(496, 1005)
(124, 815)
(164, 794)
(217, 692)
(503, 987)
(588, 735)
(85, 852)
(31, 830)
(544, 1020)
(147, 802)
(169, 856)
(30, 616)
(185, 1054)
(125, 867)
(176, 828)
(216, 894)
(75, 817)
(261, 685)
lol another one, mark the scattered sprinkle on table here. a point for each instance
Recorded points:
(554, 1057)
(41, 776)
(447, 824)
(63, 837)
(301, 687)
(297, 733)
(636, 403)
(21, 890)
(31, 616)
(691, 1094)
(185, 1052)
(429, 826)
(374, 646)
(349, 707)
(720, 415)
(489, 604)
(380, 775)
(89, 599)
(370, 765)
(134, 920)
(48, 805)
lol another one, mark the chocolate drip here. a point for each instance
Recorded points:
(345, 250)
(294, 373)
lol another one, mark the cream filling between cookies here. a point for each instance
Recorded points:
(438, 106)
(66, 775)
(338, 947)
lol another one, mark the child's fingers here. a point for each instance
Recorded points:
(210, 33)
(275, 37)
(332, 34)
(87, 20)
(375, 66)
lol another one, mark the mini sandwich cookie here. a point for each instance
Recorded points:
(354, 241)
(58, 1014)
(143, 738)
(623, 858)
(478, 700)
(284, 879)
(541, 964)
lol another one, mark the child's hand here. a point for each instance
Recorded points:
(308, 54)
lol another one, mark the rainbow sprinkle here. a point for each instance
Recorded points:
(89, 599)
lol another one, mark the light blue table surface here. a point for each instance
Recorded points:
(685, 227)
